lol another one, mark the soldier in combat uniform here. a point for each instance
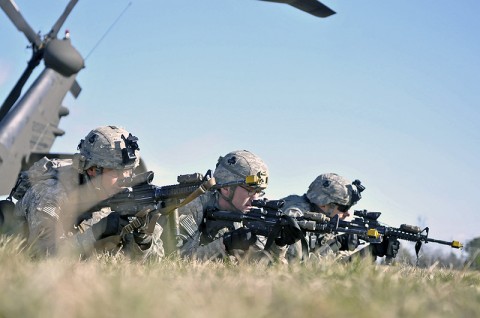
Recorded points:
(207, 239)
(330, 194)
(53, 194)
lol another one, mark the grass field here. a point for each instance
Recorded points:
(115, 287)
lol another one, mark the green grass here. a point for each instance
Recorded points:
(115, 287)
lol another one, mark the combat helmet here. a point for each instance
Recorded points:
(241, 167)
(331, 188)
(108, 147)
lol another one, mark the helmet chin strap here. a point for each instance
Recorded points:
(95, 181)
(229, 198)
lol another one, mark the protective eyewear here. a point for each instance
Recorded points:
(343, 208)
(252, 191)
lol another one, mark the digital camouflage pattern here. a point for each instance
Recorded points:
(319, 246)
(194, 246)
(50, 205)
(205, 243)
(107, 147)
(330, 188)
(87, 241)
(52, 199)
(237, 165)
(43, 169)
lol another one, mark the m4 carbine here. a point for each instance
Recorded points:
(265, 218)
(366, 225)
(139, 193)
(375, 232)
(140, 198)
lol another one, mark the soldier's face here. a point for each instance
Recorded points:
(332, 210)
(242, 197)
(108, 179)
(341, 215)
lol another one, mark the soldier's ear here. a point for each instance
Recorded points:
(91, 172)
(226, 191)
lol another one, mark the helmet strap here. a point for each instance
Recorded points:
(95, 181)
(230, 197)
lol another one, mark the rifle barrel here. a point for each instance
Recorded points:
(454, 244)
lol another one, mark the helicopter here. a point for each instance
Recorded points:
(29, 122)
(313, 7)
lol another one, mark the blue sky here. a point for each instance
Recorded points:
(383, 91)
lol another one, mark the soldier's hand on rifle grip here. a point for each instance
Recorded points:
(392, 247)
(108, 226)
(239, 239)
(349, 242)
(143, 240)
(289, 234)
(141, 235)
(388, 247)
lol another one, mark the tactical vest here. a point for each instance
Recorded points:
(211, 230)
(14, 222)
(43, 169)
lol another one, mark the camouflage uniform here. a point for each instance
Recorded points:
(325, 189)
(50, 198)
(203, 236)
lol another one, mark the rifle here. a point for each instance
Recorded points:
(138, 192)
(265, 218)
(375, 232)
(140, 198)
(315, 224)
(366, 225)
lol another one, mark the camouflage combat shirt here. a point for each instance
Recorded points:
(49, 208)
(203, 236)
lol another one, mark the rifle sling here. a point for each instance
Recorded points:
(152, 223)
(273, 235)
(305, 251)
(204, 187)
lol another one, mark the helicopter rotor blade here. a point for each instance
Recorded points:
(314, 7)
(53, 33)
(11, 10)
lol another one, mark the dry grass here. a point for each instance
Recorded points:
(115, 287)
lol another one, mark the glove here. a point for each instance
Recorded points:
(143, 240)
(107, 226)
(348, 242)
(393, 247)
(389, 247)
(289, 234)
(239, 239)
(141, 236)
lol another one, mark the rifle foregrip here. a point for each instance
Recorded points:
(316, 216)
(307, 225)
